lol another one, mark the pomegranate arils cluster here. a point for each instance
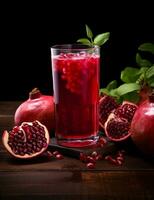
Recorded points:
(120, 127)
(54, 154)
(27, 140)
(90, 160)
(126, 111)
(106, 105)
(118, 159)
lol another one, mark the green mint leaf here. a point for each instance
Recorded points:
(111, 85)
(114, 93)
(101, 38)
(149, 47)
(151, 82)
(127, 87)
(142, 62)
(84, 41)
(141, 74)
(129, 74)
(150, 73)
(143, 70)
(132, 97)
(103, 91)
(89, 32)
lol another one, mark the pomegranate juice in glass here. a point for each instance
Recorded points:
(75, 70)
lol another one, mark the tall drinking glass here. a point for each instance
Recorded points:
(75, 71)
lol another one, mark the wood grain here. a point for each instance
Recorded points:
(77, 185)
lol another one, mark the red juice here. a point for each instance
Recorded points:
(76, 93)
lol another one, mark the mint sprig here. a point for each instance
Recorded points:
(98, 40)
(149, 47)
(89, 32)
(134, 79)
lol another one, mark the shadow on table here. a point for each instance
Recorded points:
(133, 151)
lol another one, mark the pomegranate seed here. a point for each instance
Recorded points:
(49, 154)
(120, 158)
(94, 154)
(101, 142)
(119, 162)
(99, 157)
(55, 153)
(90, 165)
(59, 156)
(111, 160)
(44, 144)
(90, 159)
(15, 129)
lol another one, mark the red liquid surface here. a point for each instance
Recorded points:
(76, 85)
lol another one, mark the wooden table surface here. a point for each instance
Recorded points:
(68, 178)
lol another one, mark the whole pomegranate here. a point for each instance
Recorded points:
(37, 107)
(28, 140)
(142, 126)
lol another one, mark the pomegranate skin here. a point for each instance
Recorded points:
(37, 107)
(142, 127)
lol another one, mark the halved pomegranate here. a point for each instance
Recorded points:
(117, 126)
(28, 140)
(106, 105)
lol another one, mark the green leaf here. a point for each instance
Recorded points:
(129, 74)
(84, 41)
(149, 47)
(150, 82)
(142, 62)
(143, 70)
(114, 93)
(132, 97)
(103, 91)
(101, 38)
(150, 72)
(112, 85)
(89, 32)
(127, 87)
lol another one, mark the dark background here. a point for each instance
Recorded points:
(29, 30)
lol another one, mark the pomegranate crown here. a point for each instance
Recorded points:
(35, 93)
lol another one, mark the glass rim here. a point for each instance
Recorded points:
(79, 47)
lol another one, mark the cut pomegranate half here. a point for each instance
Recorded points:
(28, 140)
(116, 128)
